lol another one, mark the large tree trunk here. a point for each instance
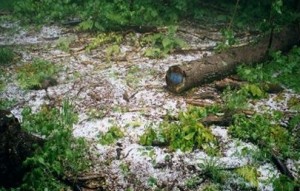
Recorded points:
(191, 74)
(15, 146)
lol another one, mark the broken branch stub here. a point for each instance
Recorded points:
(194, 73)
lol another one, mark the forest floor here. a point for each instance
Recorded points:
(126, 89)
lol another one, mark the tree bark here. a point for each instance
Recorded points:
(15, 146)
(194, 73)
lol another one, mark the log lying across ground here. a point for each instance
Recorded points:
(194, 73)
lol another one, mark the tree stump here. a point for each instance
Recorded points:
(15, 146)
(194, 73)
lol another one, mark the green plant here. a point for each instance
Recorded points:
(283, 183)
(294, 103)
(125, 168)
(212, 170)
(186, 134)
(120, 15)
(2, 80)
(112, 50)
(46, 10)
(251, 74)
(152, 182)
(111, 135)
(150, 136)
(63, 43)
(162, 44)
(133, 76)
(61, 156)
(238, 99)
(229, 39)
(294, 127)
(105, 38)
(32, 75)
(235, 99)
(211, 187)
(6, 103)
(95, 113)
(221, 178)
(6, 55)
(6, 5)
(192, 182)
(253, 91)
(250, 174)
(282, 69)
(149, 152)
(265, 131)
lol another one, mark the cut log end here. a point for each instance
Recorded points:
(175, 79)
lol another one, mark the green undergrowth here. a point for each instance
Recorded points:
(7, 5)
(108, 15)
(282, 69)
(105, 38)
(6, 104)
(218, 178)
(273, 139)
(185, 133)
(6, 56)
(161, 44)
(2, 80)
(265, 131)
(63, 43)
(61, 155)
(113, 134)
(32, 75)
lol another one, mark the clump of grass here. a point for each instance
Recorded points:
(220, 178)
(32, 75)
(6, 55)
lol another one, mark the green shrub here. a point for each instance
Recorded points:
(282, 69)
(46, 10)
(283, 183)
(265, 131)
(32, 75)
(61, 155)
(238, 99)
(6, 55)
(162, 44)
(220, 178)
(235, 99)
(2, 80)
(6, 103)
(250, 174)
(186, 134)
(6, 5)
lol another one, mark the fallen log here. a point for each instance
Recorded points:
(194, 73)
